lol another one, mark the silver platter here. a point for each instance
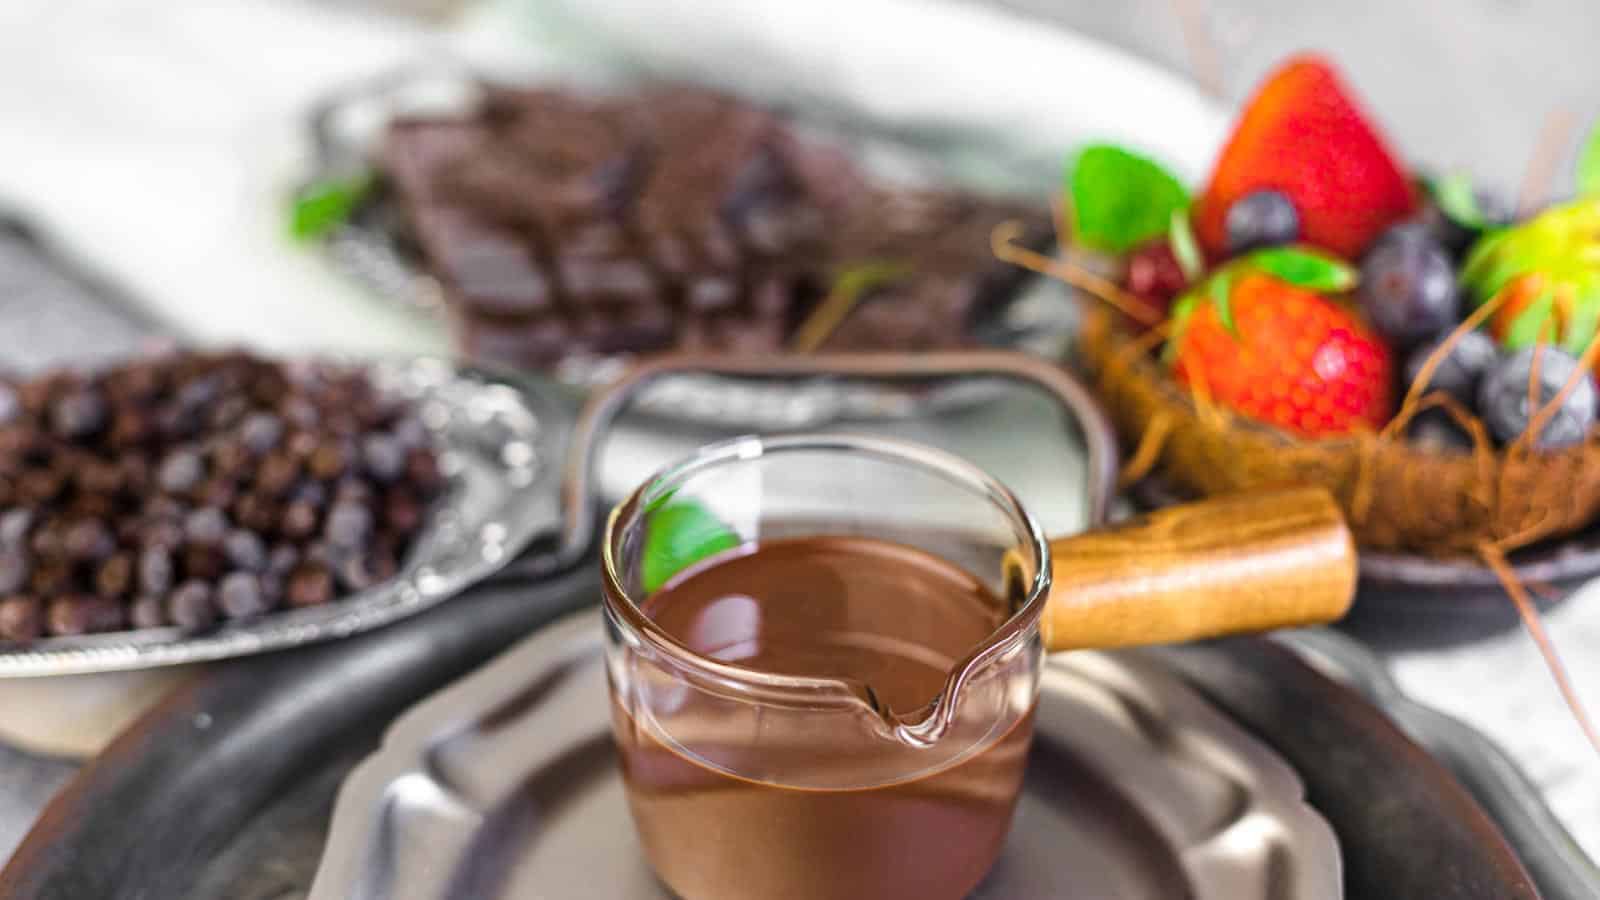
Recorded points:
(501, 494)
(505, 785)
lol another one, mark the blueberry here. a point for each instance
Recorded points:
(1460, 372)
(240, 596)
(190, 605)
(1503, 398)
(207, 525)
(1261, 219)
(1408, 286)
(261, 432)
(180, 472)
(245, 550)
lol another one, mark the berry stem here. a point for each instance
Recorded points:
(1494, 556)
(1408, 407)
(1002, 242)
(1546, 412)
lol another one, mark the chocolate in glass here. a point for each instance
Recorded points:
(832, 696)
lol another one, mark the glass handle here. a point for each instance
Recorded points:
(595, 421)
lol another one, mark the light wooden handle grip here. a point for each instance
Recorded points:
(1240, 563)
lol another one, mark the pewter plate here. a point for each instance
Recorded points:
(495, 451)
(505, 785)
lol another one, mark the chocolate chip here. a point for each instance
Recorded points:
(155, 570)
(21, 618)
(310, 586)
(190, 606)
(115, 576)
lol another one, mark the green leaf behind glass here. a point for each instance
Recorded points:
(1120, 199)
(678, 534)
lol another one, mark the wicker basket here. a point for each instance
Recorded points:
(1398, 496)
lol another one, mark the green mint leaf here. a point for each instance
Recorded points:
(1222, 298)
(320, 207)
(1589, 164)
(1583, 321)
(1185, 247)
(1306, 268)
(1530, 325)
(1120, 199)
(679, 534)
(1455, 197)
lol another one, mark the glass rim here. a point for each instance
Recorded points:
(813, 690)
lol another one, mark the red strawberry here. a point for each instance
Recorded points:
(1303, 136)
(1293, 358)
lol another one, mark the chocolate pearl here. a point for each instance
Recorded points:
(88, 540)
(130, 428)
(206, 526)
(10, 404)
(401, 511)
(38, 487)
(155, 570)
(228, 412)
(21, 618)
(204, 561)
(278, 473)
(312, 492)
(190, 606)
(310, 585)
(100, 478)
(299, 520)
(261, 431)
(230, 459)
(422, 470)
(245, 550)
(14, 570)
(256, 512)
(328, 461)
(93, 506)
(180, 472)
(302, 444)
(162, 507)
(282, 559)
(218, 492)
(240, 596)
(164, 534)
(78, 414)
(14, 527)
(148, 611)
(348, 526)
(115, 576)
(410, 433)
(50, 579)
(77, 614)
(383, 456)
(353, 490)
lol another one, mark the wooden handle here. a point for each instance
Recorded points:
(1240, 563)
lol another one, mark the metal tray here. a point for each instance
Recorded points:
(499, 460)
(505, 785)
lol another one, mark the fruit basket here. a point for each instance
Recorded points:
(1319, 314)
